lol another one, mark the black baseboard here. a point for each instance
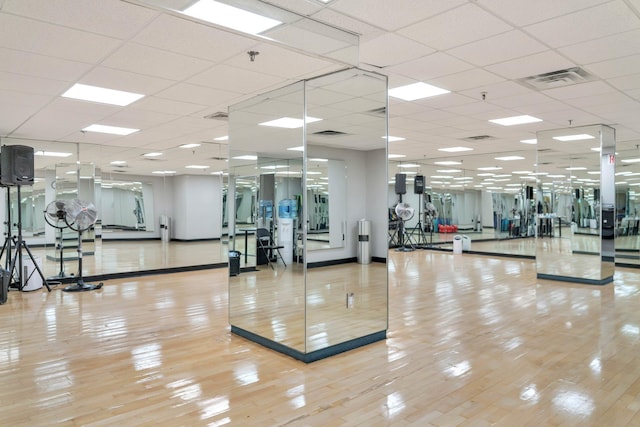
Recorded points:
(331, 262)
(314, 355)
(580, 280)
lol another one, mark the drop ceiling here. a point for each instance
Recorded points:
(479, 50)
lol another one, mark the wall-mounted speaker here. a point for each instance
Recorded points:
(418, 184)
(401, 183)
(16, 165)
(529, 192)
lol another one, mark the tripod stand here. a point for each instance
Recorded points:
(20, 244)
(404, 213)
(7, 246)
(422, 238)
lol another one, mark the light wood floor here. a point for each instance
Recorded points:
(473, 341)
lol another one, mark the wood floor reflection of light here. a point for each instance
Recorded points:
(472, 341)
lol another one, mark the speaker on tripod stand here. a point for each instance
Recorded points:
(418, 188)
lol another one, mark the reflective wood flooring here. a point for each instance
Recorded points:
(472, 341)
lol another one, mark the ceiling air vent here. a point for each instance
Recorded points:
(478, 138)
(380, 110)
(217, 158)
(329, 133)
(560, 78)
(220, 115)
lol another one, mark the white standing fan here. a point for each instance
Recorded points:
(404, 213)
(80, 216)
(54, 215)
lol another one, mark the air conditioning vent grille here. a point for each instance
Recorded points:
(555, 79)
(478, 138)
(329, 132)
(220, 115)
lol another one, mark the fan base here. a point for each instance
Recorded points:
(82, 287)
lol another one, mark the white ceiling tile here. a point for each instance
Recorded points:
(31, 64)
(500, 48)
(473, 22)
(51, 40)
(365, 30)
(524, 13)
(169, 106)
(146, 60)
(446, 100)
(300, 7)
(599, 21)
(538, 63)
(32, 85)
(467, 79)
(234, 79)
(577, 91)
(104, 17)
(618, 45)
(434, 65)
(626, 82)
(193, 94)
(392, 15)
(182, 36)
(391, 49)
(591, 102)
(522, 100)
(496, 91)
(615, 67)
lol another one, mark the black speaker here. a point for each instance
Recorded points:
(418, 184)
(596, 194)
(16, 165)
(529, 192)
(577, 193)
(401, 183)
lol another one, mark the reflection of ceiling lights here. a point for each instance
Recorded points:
(515, 120)
(222, 138)
(163, 172)
(288, 173)
(577, 137)
(394, 138)
(196, 167)
(396, 156)
(119, 162)
(408, 165)
(630, 160)
(455, 149)
(289, 122)
(448, 163)
(529, 141)
(271, 167)
(101, 95)
(114, 130)
(522, 172)
(318, 160)
(300, 148)
(448, 170)
(509, 158)
(416, 91)
(576, 168)
(230, 17)
(52, 154)
(154, 154)
(490, 168)
(246, 157)
(192, 145)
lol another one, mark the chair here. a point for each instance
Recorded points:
(268, 248)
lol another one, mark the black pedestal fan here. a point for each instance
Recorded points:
(80, 216)
(54, 215)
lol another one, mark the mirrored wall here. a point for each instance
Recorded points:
(301, 176)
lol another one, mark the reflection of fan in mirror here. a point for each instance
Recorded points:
(80, 216)
(55, 215)
(404, 211)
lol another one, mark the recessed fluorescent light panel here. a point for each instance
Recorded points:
(409, 165)
(396, 156)
(515, 120)
(416, 91)
(163, 172)
(394, 138)
(196, 167)
(246, 157)
(630, 160)
(490, 168)
(101, 95)
(448, 163)
(576, 168)
(529, 141)
(508, 158)
(193, 145)
(578, 137)
(52, 154)
(119, 162)
(318, 160)
(299, 148)
(153, 154)
(113, 130)
(455, 149)
(289, 122)
(230, 17)
(222, 138)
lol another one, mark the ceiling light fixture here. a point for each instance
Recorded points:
(630, 160)
(509, 158)
(192, 145)
(455, 149)
(119, 162)
(577, 137)
(299, 148)
(163, 172)
(246, 157)
(576, 168)
(153, 154)
(197, 167)
(416, 91)
(529, 141)
(318, 160)
(515, 120)
(222, 138)
(394, 138)
(490, 168)
(448, 170)
(113, 130)
(289, 122)
(52, 154)
(448, 163)
(230, 17)
(396, 156)
(408, 165)
(101, 95)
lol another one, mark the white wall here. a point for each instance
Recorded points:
(197, 207)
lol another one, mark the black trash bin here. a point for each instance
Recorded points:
(234, 263)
